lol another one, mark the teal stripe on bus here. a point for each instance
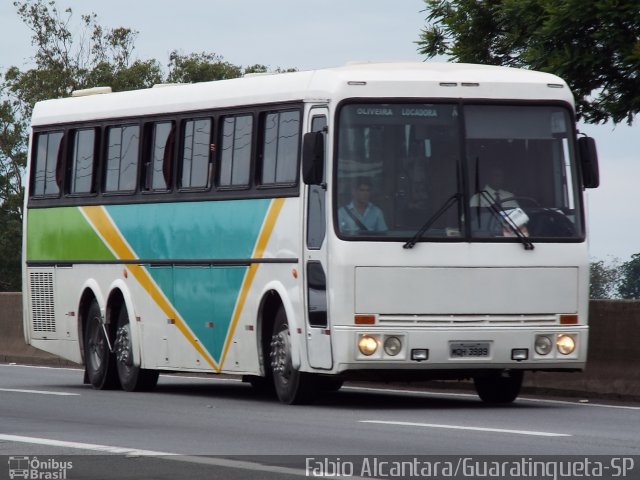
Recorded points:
(191, 230)
(204, 296)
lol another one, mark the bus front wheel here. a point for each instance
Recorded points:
(291, 385)
(132, 378)
(502, 387)
(99, 361)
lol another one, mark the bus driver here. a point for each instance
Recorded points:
(361, 214)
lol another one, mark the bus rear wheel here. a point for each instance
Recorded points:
(291, 386)
(99, 362)
(132, 378)
(502, 387)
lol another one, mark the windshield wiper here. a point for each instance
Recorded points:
(450, 201)
(504, 216)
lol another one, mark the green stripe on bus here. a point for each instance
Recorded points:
(63, 234)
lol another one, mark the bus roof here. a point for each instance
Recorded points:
(361, 80)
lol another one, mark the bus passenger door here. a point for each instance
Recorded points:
(315, 264)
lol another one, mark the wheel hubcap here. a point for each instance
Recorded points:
(281, 355)
(123, 347)
(97, 345)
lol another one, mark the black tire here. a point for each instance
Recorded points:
(132, 378)
(291, 386)
(100, 367)
(499, 388)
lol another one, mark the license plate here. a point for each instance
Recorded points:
(469, 349)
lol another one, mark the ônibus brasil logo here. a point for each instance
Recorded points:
(33, 468)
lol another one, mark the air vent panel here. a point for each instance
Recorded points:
(42, 303)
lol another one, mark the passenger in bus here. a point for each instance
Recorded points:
(360, 215)
(493, 195)
(493, 190)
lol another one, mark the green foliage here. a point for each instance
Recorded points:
(200, 67)
(604, 279)
(593, 45)
(257, 68)
(10, 243)
(65, 61)
(613, 279)
(13, 155)
(630, 278)
(12, 163)
(205, 67)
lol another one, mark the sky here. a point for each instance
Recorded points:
(308, 35)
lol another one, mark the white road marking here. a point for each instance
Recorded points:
(82, 446)
(135, 452)
(463, 427)
(38, 392)
(473, 395)
(568, 402)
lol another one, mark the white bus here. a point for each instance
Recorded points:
(384, 221)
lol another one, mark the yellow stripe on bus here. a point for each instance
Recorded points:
(104, 225)
(258, 252)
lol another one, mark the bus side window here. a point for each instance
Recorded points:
(46, 174)
(316, 224)
(196, 154)
(280, 147)
(122, 158)
(235, 151)
(83, 161)
(159, 157)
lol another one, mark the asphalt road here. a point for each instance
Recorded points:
(207, 427)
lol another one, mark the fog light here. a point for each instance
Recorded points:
(367, 345)
(419, 354)
(392, 346)
(519, 354)
(543, 345)
(566, 344)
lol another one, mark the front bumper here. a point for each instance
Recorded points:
(455, 348)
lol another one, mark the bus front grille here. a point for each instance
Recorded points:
(468, 320)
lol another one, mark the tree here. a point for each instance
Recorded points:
(205, 67)
(629, 287)
(200, 67)
(12, 162)
(593, 45)
(65, 61)
(604, 278)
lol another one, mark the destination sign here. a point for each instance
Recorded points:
(387, 111)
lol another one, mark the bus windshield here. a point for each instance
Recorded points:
(459, 172)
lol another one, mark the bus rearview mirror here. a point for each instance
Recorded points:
(589, 162)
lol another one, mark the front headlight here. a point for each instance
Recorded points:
(566, 344)
(543, 345)
(367, 345)
(392, 346)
